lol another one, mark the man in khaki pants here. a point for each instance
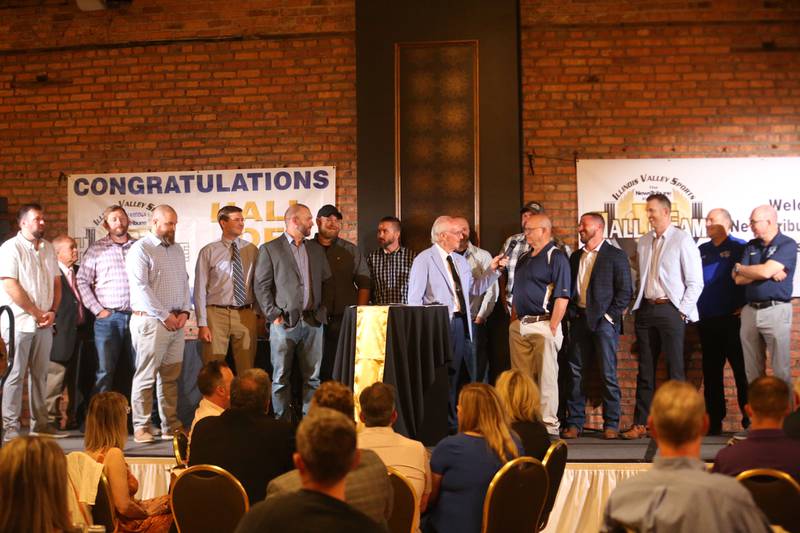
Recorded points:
(540, 298)
(223, 293)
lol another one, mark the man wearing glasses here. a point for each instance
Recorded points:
(767, 271)
(540, 297)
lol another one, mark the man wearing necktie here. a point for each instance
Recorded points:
(69, 340)
(223, 293)
(440, 276)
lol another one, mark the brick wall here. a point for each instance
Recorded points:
(175, 84)
(614, 79)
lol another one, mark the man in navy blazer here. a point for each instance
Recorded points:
(440, 276)
(602, 289)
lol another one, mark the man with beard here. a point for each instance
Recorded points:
(349, 282)
(103, 285)
(390, 265)
(291, 274)
(601, 290)
(161, 304)
(31, 288)
(223, 293)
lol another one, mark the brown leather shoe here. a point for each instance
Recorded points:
(610, 434)
(636, 431)
(570, 433)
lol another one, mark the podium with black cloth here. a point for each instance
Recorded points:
(407, 347)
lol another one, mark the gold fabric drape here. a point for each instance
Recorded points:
(371, 325)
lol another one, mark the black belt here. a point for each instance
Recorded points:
(232, 307)
(766, 303)
(657, 301)
(531, 319)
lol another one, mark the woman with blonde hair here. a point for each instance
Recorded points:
(33, 487)
(105, 437)
(522, 401)
(462, 465)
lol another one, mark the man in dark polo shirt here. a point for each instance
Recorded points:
(719, 306)
(540, 298)
(350, 284)
(767, 271)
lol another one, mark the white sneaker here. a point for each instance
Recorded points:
(49, 431)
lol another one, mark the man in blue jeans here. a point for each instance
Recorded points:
(103, 285)
(291, 273)
(602, 288)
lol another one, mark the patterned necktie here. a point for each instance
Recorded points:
(457, 280)
(239, 294)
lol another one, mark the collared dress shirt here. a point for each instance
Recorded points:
(456, 304)
(678, 495)
(157, 277)
(102, 279)
(782, 249)
(520, 250)
(205, 408)
(408, 456)
(35, 268)
(213, 275)
(585, 268)
(300, 255)
(389, 272)
(479, 261)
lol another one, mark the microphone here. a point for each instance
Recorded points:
(511, 247)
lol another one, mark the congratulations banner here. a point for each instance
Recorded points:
(263, 194)
(618, 188)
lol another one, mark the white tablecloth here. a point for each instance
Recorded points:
(152, 473)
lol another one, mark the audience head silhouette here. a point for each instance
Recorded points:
(678, 418)
(326, 447)
(767, 401)
(481, 411)
(520, 396)
(214, 382)
(377, 405)
(250, 391)
(106, 422)
(33, 486)
(336, 396)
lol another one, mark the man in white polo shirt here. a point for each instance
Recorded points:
(31, 288)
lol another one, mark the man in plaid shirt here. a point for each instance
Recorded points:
(390, 265)
(103, 285)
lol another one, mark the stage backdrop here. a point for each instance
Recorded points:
(263, 194)
(617, 188)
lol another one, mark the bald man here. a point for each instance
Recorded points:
(291, 274)
(540, 297)
(767, 271)
(161, 303)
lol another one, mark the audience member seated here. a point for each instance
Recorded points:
(244, 440)
(464, 464)
(326, 452)
(367, 487)
(33, 487)
(766, 446)
(522, 401)
(791, 424)
(106, 435)
(678, 494)
(408, 456)
(214, 382)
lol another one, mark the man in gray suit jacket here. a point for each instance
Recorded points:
(291, 273)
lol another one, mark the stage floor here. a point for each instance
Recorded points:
(589, 448)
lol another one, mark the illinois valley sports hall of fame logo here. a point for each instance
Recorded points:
(626, 211)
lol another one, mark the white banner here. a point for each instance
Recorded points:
(617, 188)
(263, 194)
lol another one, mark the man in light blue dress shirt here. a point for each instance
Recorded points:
(161, 302)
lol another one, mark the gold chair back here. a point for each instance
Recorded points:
(207, 498)
(516, 497)
(405, 510)
(555, 461)
(103, 511)
(180, 447)
(776, 493)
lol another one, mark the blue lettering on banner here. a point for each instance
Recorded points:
(136, 185)
(172, 185)
(254, 179)
(187, 182)
(321, 179)
(220, 186)
(238, 183)
(99, 186)
(154, 185)
(302, 179)
(209, 184)
(117, 186)
(80, 186)
(283, 181)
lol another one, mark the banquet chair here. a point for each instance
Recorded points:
(404, 510)
(207, 498)
(776, 493)
(516, 497)
(180, 447)
(555, 461)
(103, 511)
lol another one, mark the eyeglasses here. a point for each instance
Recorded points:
(754, 222)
